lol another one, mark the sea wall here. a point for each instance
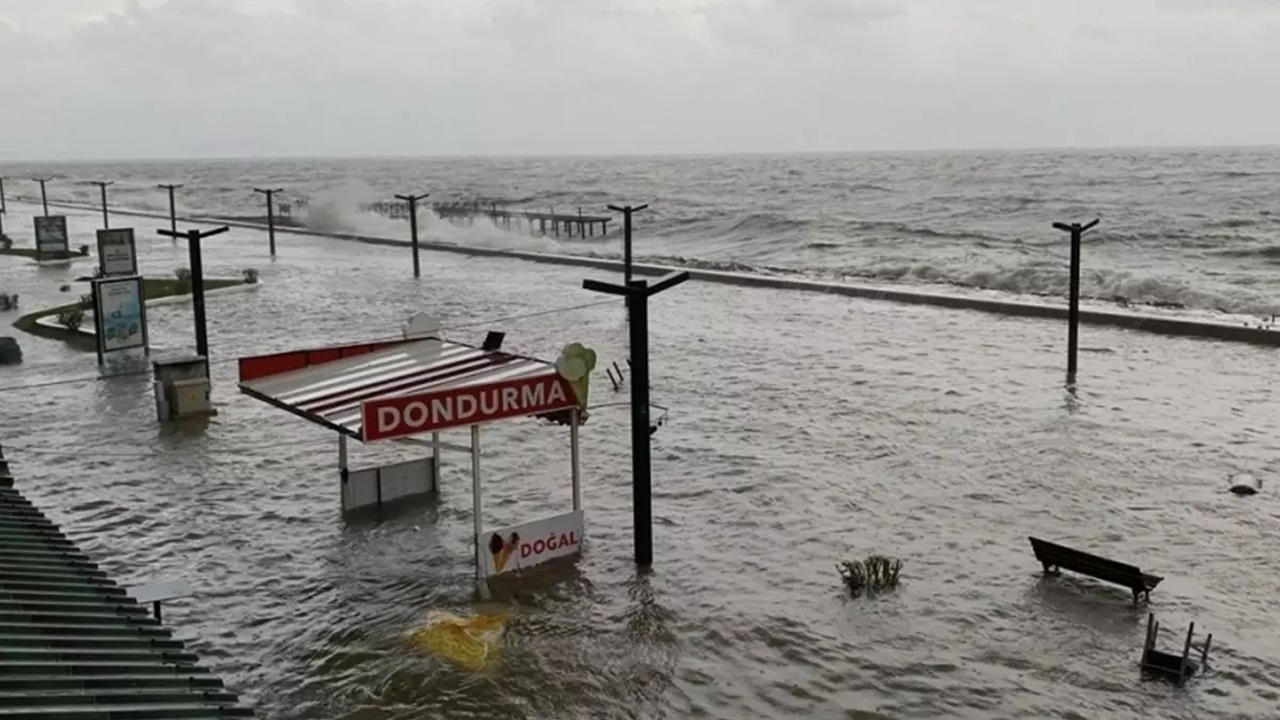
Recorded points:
(1164, 324)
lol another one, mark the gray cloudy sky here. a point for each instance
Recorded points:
(235, 78)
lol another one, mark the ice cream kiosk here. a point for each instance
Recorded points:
(420, 385)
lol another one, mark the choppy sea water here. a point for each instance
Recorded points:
(804, 429)
(1192, 228)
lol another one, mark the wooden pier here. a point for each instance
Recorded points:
(538, 222)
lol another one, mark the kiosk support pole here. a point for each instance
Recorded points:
(342, 452)
(574, 461)
(435, 460)
(475, 498)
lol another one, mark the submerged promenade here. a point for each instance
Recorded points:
(1151, 320)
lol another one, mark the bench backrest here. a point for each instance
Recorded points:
(1100, 567)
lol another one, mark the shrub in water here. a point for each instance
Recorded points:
(84, 249)
(71, 318)
(183, 274)
(250, 275)
(86, 301)
(8, 302)
(6, 242)
(875, 573)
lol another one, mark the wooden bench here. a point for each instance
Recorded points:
(1056, 558)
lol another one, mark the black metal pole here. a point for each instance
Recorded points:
(173, 211)
(639, 291)
(626, 211)
(102, 184)
(197, 283)
(44, 198)
(271, 216)
(1077, 232)
(641, 468)
(197, 293)
(4, 206)
(413, 227)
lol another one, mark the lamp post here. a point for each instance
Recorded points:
(413, 227)
(44, 198)
(173, 212)
(271, 215)
(626, 211)
(637, 293)
(194, 237)
(1077, 232)
(102, 185)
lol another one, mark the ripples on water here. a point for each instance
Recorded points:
(804, 428)
(1193, 227)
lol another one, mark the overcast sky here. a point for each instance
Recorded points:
(87, 79)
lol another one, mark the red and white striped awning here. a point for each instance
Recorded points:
(385, 390)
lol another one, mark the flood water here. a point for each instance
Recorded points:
(803, 429)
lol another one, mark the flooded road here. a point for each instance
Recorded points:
(804, 429)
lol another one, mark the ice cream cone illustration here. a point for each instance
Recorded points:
(575, 365)
(502, 551)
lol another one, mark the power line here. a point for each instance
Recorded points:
(463, 326)
(93, 454)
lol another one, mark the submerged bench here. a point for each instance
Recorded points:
(1056, 558)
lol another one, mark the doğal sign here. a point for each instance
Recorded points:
(525, 546)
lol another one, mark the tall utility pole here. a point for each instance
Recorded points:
(4, 207)
(626, 211)
(197, 281)
(44, 198)
(638, 293)
(173, 212)
(413, 227)
(271, 216)
(102, 185)
(1073, 311)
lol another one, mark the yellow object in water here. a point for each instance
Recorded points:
(471, 642)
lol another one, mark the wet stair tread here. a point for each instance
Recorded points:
(116, 695)
(90, 667)
(76, 683)
(70, 640)
(194, 709)
(106, 605)
(95, 629)
(94, 654)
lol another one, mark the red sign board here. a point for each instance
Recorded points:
(393, 417)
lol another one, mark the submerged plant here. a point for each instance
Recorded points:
(84, 249)
(8, 302)
(86, 301)
(6, 242)
(874, 574)
(250, 275)
(71, 318)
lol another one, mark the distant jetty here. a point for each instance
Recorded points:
(537, 222)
